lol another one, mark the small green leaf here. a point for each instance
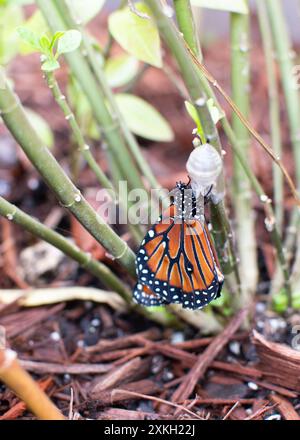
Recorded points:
(138, 36)
(143, 119)
(50, 64)
(41, 126)
(29, 37)
(239, 6)
(69, 41)
(190, 108)
(121, 70)
(37, 26)
(85, 10)
(55, 37)
(44, 43)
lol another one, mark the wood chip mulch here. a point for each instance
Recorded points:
(97, 364)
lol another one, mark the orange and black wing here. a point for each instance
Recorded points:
(177, 264)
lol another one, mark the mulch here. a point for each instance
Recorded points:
(95, 363)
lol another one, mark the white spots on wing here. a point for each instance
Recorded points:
(151, 233)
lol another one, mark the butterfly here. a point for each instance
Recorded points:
(177, 262)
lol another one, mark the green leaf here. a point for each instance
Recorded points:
(121, 70)
(41, 126)
(29, 37)
(239, 6)
(143, 119)
(44, 43)
(138, 36)
(190, 108)
(50, 64)
(36, 25)
(55, 37)
(85, 10)
(69, 41)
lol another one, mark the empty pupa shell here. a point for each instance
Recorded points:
(204, 165)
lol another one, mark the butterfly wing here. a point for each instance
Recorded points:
(143, 295)
(176, 263)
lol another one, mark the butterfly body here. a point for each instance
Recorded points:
(176, 262)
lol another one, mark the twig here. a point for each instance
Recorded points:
(16, 378)
(231, 410)
(204, 359)
(50, 368)
(285, 408)
(157, 399)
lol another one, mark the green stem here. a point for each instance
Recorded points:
(197, 83)
(274, 112)
(84, 148)
(240, 83)
(69, 196)
(82, 145)
(98, 269)
(109, 126)
(284, 56)
(186, 24)
(99, 74)
(191, 78)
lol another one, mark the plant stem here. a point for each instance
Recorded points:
(240, 84)
(69, 196)
(274, 111)
(191, 78)
(196, 83)
(109, 126)
(98, 269)
(83, 147)
(284, 56)
(22, 384)
(186, 24)
(99, 74)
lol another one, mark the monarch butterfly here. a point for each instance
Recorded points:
(177, 262)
